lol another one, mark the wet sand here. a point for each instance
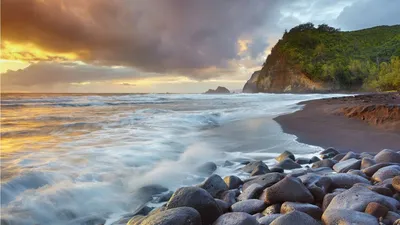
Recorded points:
(364, 123)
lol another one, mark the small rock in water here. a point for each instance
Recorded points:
(236, 218)
(295, 217)
(387, 156)
(250, 206)
(285, 155)
(207, 168)
(376, 209)
(302, 161)
(233, 182)
(259, 170)
(215, 185)
(288, 164)
(228, 163)
(314, 159)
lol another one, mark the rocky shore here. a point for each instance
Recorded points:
(334, 188)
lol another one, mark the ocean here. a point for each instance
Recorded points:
(70, 158)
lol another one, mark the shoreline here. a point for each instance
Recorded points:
(362, 123)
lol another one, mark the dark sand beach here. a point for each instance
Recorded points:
(363, 123)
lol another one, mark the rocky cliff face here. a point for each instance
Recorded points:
(277, 75)
(219, 90)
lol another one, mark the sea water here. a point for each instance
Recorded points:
(67, 157)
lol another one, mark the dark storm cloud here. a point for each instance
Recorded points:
(156, 36)
(368, 13)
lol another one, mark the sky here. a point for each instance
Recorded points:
(177, 46)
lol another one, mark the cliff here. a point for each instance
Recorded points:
(219, 90)
(322, 59)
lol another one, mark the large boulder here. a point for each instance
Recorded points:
(312, 210)
(367, 162)
(236, 218)
(346, 165)
(344, 180)
(369, 171)
(358, 197)
(288, 164)
(215, 185)
(252, 192)
(198, 199)
(228, 197)
(224, 206)
(327, 199)
(342, 216)
(176, 216)
(285, 155)
(265, 181)
(233, 182)
(251, 206)
(324, 163)
(386, 173)
(289, 189)
(317, 185)
(253, 165)
(387, 156)
(268, 219)
(295, 217)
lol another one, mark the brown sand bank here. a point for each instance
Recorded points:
(362, 123)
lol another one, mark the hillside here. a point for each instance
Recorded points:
(322, 58)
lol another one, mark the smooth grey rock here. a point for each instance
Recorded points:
(285, 155)
(252, 192)
(314, 159)
(344, 180)
(350, 155)
(312, 210)
(289, 189)
(198, 199)
(327, 199)
(272, 209)
(339, 157)
(346, 165)
(386, 173)
(250, 206)
(387, 156)
(233, 182)
(302, 161)
(357, 198)
(295, 217)
(215, 185)
(377, 188)
(369, 171)
(297, 172)
(366, 155)
(268, 219)
(347, 217)
(277, 170)
(265, 181)
(236, 218)
(367, 162)
(330, 151)
(252, 165)
(358, 173)
(207, 168)
(288, 164)
(324, 163)
(224, 206)
(259, 170)
(317, 185)
(176, 216)
(229, 197)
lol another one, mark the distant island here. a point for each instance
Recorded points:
(219, 90)
(325, 59)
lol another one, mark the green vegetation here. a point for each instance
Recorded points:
(368, 59)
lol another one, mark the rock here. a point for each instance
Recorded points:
(272, 209)
(164, 197)
(268, 219)
(366, 155)
(265, 181)
(350, 155)
(258, 216)
(297, 172)
(357, 198)
(302, 161)
(198, 199)
(387, 156)
(376, 209)
(391, 217)
(236, 218)
(289, 189)
(252, 192)
(341, 216)
(378, 189)
(233, 182)
(228, 163)
(317, 185)
(369, 171)
(285, 155)
(277, 170)
(207, 168)
(327, 199)
(251, 84)
(344, 180)
(367, 162)
(386, 173)
(250, 206)
(314, 159)
(346, 165)
(176, 216)
(136, 220)
(324, 163)
(330, 151)
(224, 206)
(147, 192)
(251, 166)
(339, 157)
(312, 210)
(358, 173)
(229, 197)
(215, 185)
(259, 170)
(288, 164)
(295, 217)
(219, 90)
(396, 183)
(321, 171)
